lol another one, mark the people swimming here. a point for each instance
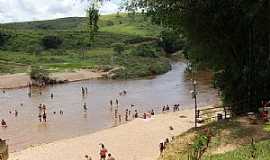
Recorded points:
(3, 123)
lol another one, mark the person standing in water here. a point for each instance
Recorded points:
(44, 117)
(117, 102)
(16, 113)
(119, 117)
(40, 117)
(136, 114)
(126, 116)
(116, 113)
(85, 107)
(86, 90)
(83, 91)
(51, 95)
(111, 103)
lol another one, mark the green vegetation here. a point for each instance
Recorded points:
(118, 47)
(230, 37)
(63, 44)
(51, 42)
(260, 151)
(39, 74)
(227, 140)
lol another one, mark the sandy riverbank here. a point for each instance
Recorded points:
(21, 80)
(136, 140)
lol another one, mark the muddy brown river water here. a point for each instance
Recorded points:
(25, 130)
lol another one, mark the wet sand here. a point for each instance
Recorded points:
(136, 140)
(22, 80)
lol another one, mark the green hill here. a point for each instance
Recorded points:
(23, 45)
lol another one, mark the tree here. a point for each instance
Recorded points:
(232, 37)
(93, 17)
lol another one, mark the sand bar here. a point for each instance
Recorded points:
(21, 80)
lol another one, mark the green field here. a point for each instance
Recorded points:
(24, 48)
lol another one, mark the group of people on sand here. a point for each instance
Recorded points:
(103, 153)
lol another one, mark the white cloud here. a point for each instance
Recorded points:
(28, 10)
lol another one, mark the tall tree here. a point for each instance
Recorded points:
(93, 17)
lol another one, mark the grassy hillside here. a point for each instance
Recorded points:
(24, 48)
(228, 140)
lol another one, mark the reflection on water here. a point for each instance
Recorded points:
(25, 130)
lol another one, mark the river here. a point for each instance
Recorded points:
(25, 130)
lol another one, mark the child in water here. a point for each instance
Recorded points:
(4, 123)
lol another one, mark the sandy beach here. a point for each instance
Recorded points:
(21, 80)
(136, 140)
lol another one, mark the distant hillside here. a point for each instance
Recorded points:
(57, 24)
(27, 36)
(22, 46)
(122, 23)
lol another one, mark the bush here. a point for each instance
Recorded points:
(3, 38)
(118, 47)
(39, 74)
(51, 42)
(145, 51)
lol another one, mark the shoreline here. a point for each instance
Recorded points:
(21, 80)
(136, 139)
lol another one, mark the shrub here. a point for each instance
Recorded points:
(51, 42)
(3, 38)
(118, 47)
(145, 51)
(39, 74)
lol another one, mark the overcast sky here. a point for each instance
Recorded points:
(28, 10)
